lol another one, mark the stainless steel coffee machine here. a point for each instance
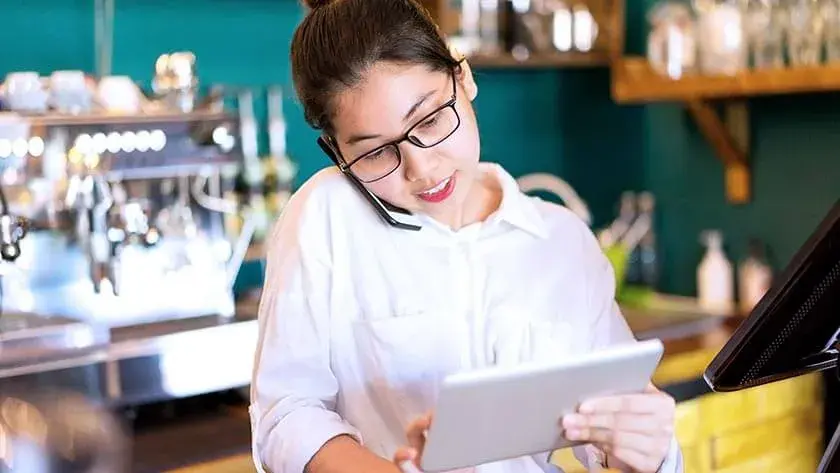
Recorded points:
(122, 231)
(125, 216)
(121, 238)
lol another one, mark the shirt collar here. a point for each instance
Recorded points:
(517, 208)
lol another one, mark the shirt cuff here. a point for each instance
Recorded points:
(544, 462)
(291, 443)
(595, 460)
(591, 458)
(673, 460)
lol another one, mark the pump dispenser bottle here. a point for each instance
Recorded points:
(754, 277)
(715, 279)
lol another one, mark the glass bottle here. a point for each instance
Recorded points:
(648, 254)
(831, 17)
(518, 29)
(559, 16)
(467, 38)
(671, 48)
(585, 28)
(804, 32)
(764, 28)
(488, 27)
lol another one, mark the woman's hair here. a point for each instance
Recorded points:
(339, 40)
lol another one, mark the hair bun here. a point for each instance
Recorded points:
(313, 4)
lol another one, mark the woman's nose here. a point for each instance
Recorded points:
(419, 163)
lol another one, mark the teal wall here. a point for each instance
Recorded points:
(796, 179)
(796, 175)
(562, 122)
(43, 36)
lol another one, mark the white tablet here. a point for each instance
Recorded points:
(499, 413)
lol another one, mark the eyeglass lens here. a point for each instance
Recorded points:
(429, 132)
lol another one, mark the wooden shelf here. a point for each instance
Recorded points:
(634, 81)
(105, 119)
(608, 14)
(545, 61)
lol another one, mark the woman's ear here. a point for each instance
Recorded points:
(465, 75)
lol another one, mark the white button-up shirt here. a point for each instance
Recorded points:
(359, 322)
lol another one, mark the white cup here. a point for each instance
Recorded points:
(69, 92)
(119, 94)
(25, 92)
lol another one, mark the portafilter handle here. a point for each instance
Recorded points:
(59, 432)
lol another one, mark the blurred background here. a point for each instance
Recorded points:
(146, 147)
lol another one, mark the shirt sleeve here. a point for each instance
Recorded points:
(293, 390)
(610, 327)
(673, 460)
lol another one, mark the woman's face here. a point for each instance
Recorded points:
(392, 100)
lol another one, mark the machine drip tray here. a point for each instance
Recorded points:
(165, 327)
(245, 311)
(29, 337)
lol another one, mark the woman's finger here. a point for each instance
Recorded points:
(406, 459)
(416, 432)
(637, 460)
(404, 454)
(629, 403)
(416, 435)
(642, 423)
(614, 439)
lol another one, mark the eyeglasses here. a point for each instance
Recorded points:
(429, 131)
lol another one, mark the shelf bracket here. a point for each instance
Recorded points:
(729, 136)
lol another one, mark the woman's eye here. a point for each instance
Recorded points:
(375, 155)
(430, 122)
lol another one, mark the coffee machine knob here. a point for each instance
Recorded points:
(10, 251)
(12, 230)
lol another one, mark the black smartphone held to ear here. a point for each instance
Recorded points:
(392, 215)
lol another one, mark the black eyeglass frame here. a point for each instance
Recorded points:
(347, 167)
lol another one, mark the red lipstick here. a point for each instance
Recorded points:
(440, 192)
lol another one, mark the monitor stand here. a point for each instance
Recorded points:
(830, 462)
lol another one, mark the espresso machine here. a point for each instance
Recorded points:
(121, 238)
(125, 221)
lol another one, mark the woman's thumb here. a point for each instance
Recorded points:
(406, 459)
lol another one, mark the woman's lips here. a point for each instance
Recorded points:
(440, 192)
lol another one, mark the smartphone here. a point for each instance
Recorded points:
(392, 215)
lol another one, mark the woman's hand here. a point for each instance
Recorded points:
(633, 430)
(408, 457)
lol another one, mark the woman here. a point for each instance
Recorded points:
(361, 319)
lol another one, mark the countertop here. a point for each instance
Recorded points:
(691, 337)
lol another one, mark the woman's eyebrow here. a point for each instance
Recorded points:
(420, 101)
(411, 111)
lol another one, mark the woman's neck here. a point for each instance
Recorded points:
(482, 199)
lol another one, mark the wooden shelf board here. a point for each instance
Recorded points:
(544, 61)
(104, 118)
(635, 82)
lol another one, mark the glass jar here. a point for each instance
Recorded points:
(671, 48)
(723, 50)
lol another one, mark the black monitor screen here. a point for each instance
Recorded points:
(794, 328)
